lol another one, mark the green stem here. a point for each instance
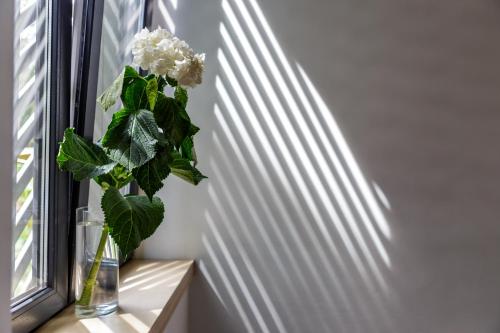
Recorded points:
(117, 182)
(88, 288)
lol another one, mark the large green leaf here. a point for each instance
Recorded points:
(111, 94)
(129, 75)
(181, 96)
(182, 168)
(82, 157)
(172, 118)
(113, 136)
(131, 219)
(150, 175)
(131, 137)
(136, 95)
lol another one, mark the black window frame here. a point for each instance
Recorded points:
(85, 68)
(41, 305)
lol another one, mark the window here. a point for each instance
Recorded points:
(103, 44)
(40, 201)
(30, 145)
(51, 92)
(120, 22)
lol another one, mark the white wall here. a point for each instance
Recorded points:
(290, 235)
(178, 323)
(6, 172)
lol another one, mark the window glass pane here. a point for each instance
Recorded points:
(30, 112)
(121, 21)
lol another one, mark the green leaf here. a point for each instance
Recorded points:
(187, 149)
(136, 95)
(131, 219)
(161, 83)
(181, 128)
(111, 94)
(193, 129)
(170, 81)
(182, 168)
(152, 91)
(150, 175)
(118, 125)
(172, 118)
(117, 178)
(181, 96)
(129, 74)
(187, 146)
(82, 157)
(131, 137)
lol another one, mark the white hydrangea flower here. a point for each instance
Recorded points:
(146, 52)
(164, 54)
(189, 72)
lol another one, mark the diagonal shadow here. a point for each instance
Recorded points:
(294, 239)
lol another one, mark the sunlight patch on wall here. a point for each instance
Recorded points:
(349, 158)
(303, 149)
(292, 219)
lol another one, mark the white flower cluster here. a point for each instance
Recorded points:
(162, 53)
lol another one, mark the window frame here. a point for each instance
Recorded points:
(44, 303)
(71, 94)
(86, 47)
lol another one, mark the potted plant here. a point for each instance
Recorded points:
(148, 139)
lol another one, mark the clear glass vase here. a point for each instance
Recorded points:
(96, 267)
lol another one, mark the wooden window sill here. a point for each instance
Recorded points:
(148, 295)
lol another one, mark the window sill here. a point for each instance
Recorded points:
(149, 293)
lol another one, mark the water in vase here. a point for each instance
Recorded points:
(96, 270)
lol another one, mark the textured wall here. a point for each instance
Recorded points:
(352, 150)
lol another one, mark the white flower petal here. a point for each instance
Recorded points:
(164, 54)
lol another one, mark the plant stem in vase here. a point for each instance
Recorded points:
(90, 282)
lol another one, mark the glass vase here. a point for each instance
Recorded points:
(96, 267)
